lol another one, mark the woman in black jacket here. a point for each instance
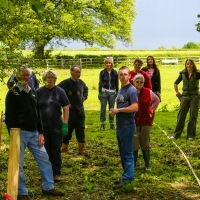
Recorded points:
(152, 70)
(108, 88)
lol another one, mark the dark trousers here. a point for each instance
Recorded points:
(77, 123)
(53, 143)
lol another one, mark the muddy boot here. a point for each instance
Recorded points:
(65, 148)
(135, 154)
(146, 156)
(81, 149)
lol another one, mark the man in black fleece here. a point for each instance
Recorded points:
(77, 92)
(22, 111)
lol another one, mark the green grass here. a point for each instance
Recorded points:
(131, 53)
(91, 178)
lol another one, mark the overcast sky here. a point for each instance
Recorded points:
(165, 23)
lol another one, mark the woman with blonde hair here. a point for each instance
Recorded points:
(53, 103)
(108, 88)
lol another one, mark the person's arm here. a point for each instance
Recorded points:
(41, 140)
(85, 92)
(147, 82)
(66, 114)
(132, 108)
(178, 80)
(37, 83)
(159, 82)
(10, 110)
(11, 81)
(116, 82)
(100, 86)
(154, 100)
(131, 77)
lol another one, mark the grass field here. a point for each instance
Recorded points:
(131, 53)
(91, 178)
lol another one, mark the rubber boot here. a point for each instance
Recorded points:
(146, 156)
(81, 149)
(102, 127)
(135, 154)
(65, 148)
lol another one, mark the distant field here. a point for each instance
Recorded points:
(131, 53)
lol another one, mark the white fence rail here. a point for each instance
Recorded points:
(99, 62)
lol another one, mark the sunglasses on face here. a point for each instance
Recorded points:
(139, 81)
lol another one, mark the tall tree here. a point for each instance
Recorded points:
(100, 22)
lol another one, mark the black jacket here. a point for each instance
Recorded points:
(108, 81)
(22, 110)
(155, 80)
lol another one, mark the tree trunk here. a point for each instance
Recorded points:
(39, 47)
(39, 52)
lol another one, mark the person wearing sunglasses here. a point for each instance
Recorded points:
(147, 104)
(137, 70)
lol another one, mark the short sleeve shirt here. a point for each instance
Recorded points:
(126, 96)
(51, 102)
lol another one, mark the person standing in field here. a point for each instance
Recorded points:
(53, 103)
(154, 73)
(22, 111)
(33, 81)
(137, 70)
(108, 88)
(77, 92)
(148, 102)
(127, 105)
(189, 99)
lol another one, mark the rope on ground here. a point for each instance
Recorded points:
(189, 164)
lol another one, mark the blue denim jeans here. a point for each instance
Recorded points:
(110, 98)
(125, 144)
(30, 140)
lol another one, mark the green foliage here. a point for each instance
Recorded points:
(93, 22)
(162, 48)
(191, 45)
(164, 108)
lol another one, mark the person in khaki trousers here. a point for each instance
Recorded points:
(148, 102)
(77, 93)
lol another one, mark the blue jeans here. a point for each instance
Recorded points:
(125, 144)
(110, 98)
(30, 140)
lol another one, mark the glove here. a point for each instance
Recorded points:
(99, 96)
(64, 129)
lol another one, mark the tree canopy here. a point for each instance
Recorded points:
(38, 23)
(191, 45)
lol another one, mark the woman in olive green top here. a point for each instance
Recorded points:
(189, 99)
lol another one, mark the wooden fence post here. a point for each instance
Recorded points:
(1, 128)
(13, 163)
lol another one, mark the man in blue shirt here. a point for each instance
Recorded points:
(127, 105)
